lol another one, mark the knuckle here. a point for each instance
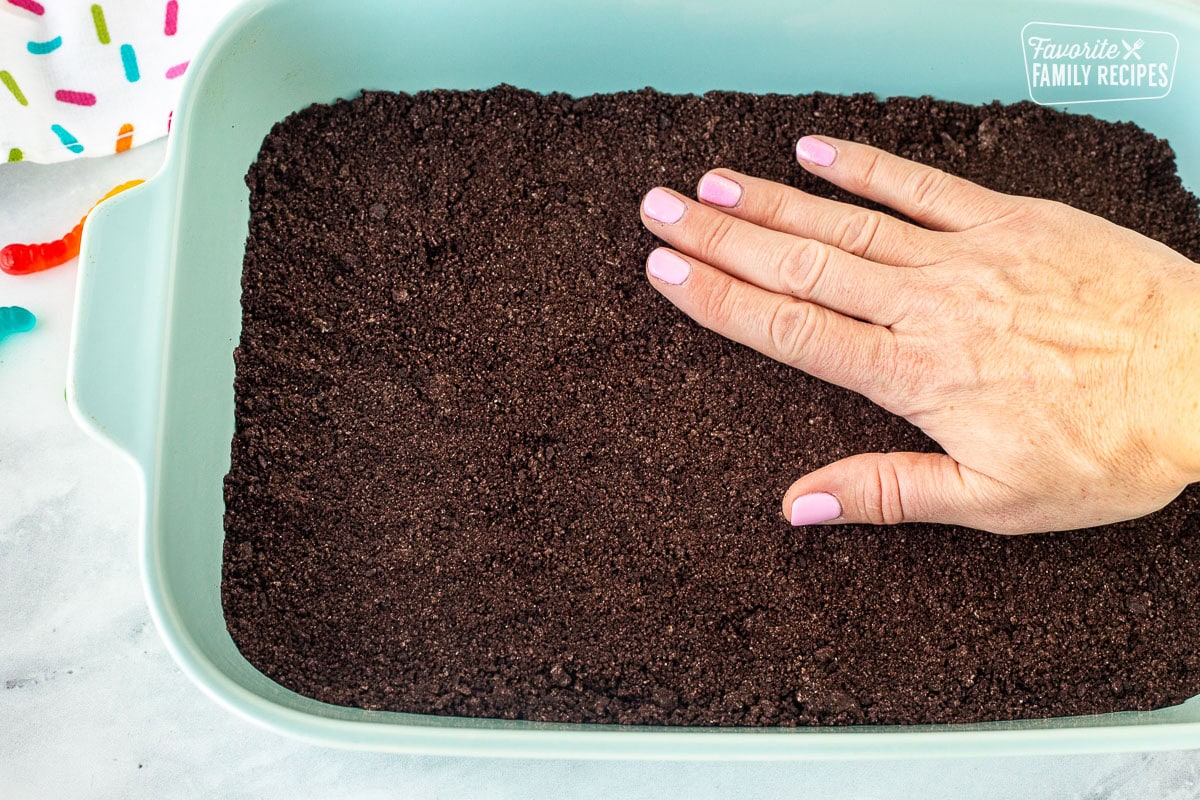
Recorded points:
(776, 210)
(856, 233)
(882, 497)
(910, 373)
(872, 160)
(905, 380)
(925, 187)
(715, 235)
(1034, 216)
(801, 267)
(791, 328)
(713, 304)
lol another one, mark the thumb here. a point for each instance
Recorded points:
(891, 488)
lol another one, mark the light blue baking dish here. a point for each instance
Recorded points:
(158, 313)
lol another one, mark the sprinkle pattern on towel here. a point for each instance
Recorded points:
(42, 48)
(124, 138)
(75, 98)
(9, 83)
(129, 59)
(68, 140)
(101, 24)
(103, 76)
(29, 5)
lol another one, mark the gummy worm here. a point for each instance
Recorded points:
(14, 319)
(22, 259)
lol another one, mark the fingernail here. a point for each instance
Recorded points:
(661, 205)
(719, 190)
(668, 267)
(814, 151)
(809, 509)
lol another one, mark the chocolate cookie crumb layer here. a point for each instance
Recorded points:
(481, 468)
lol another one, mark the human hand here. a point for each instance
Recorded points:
(1053, 355)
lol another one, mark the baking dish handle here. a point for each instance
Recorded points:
(115, 363)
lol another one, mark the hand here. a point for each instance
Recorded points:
(1053, 355)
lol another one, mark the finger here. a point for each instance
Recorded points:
(859, 231)
(778, 262)
(930, 196)
(893, 488)
(805, 335)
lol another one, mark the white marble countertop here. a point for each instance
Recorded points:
(91, 704)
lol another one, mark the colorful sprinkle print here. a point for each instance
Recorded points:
(75, 98)
(129, 59)
(11, 84)
(69, 141)
(28, 5)
(22, 259)
(98, 109)
(124, 138)
(101, 25)
(42, 48)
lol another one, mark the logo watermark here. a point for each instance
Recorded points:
(1090, 64)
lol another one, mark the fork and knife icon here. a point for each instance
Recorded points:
(1132, 49)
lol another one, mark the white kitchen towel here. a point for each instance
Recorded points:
(89, 79)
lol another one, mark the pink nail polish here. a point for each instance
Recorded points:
(719, 190)
(814, 151)
(809, 509)
(668, 267)
(661, 205)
